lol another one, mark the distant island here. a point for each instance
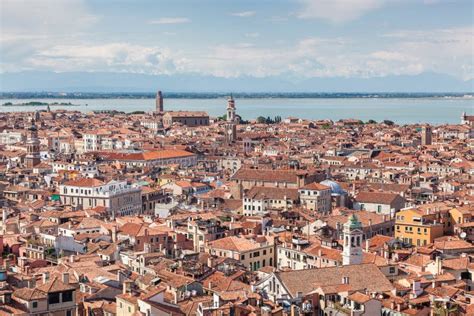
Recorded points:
(37, 103)
(241, 95)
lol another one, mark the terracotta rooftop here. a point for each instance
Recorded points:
(266, 175)
(361, 277)
(259, 193)
(377, 197)
(55, 285)
(85, 182)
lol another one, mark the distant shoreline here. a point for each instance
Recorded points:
(10, 104)
(240, 95)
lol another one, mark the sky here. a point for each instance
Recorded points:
(299, 40)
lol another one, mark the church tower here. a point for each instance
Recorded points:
(32, 146)
(426, 135)
(231, 124)
(159, 102)
(352, 253)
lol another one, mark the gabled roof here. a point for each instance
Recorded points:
(316, 187)
(28, 294)
(361, 277)
(85, 182)
(377, 197)
(235, 243)
(260, 193)
(147, 155)
(267, 175)
(55, 285)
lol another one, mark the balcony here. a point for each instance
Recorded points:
(337, 308)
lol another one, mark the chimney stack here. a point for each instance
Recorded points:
(32, 282)
(210, 262)
(127, 287)
(45, 277)
(114, 234)
(65, 277)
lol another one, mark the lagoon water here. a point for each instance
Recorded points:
(400, 110)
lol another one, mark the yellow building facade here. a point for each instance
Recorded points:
(416, 228)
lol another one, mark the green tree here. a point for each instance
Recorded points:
(260, 120)
(371, 122)
(388, 122)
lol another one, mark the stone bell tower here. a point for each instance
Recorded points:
(352, 232)
(231, 124)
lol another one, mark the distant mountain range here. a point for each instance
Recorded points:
(103, 82)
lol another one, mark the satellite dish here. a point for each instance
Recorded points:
(463, 235)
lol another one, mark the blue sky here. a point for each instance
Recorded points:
(233, 39)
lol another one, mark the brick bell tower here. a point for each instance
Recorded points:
(159, 102)
(32, 146)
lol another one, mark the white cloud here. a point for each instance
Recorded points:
(337, 11)
(389, 56)
(59, 35)
(444, 51)
(175, 20)
(115, 57)
(447, 51)
(244, 14)
(252, 35)
(28, 26)
(45, 17)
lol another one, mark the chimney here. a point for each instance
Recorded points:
(114, 234)
(439, 265)
(65, 277)
(32, 282)
(147, 247)
(127, 287)
(367, 245)
(210, 262)
(72, 259)
(45, 277)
